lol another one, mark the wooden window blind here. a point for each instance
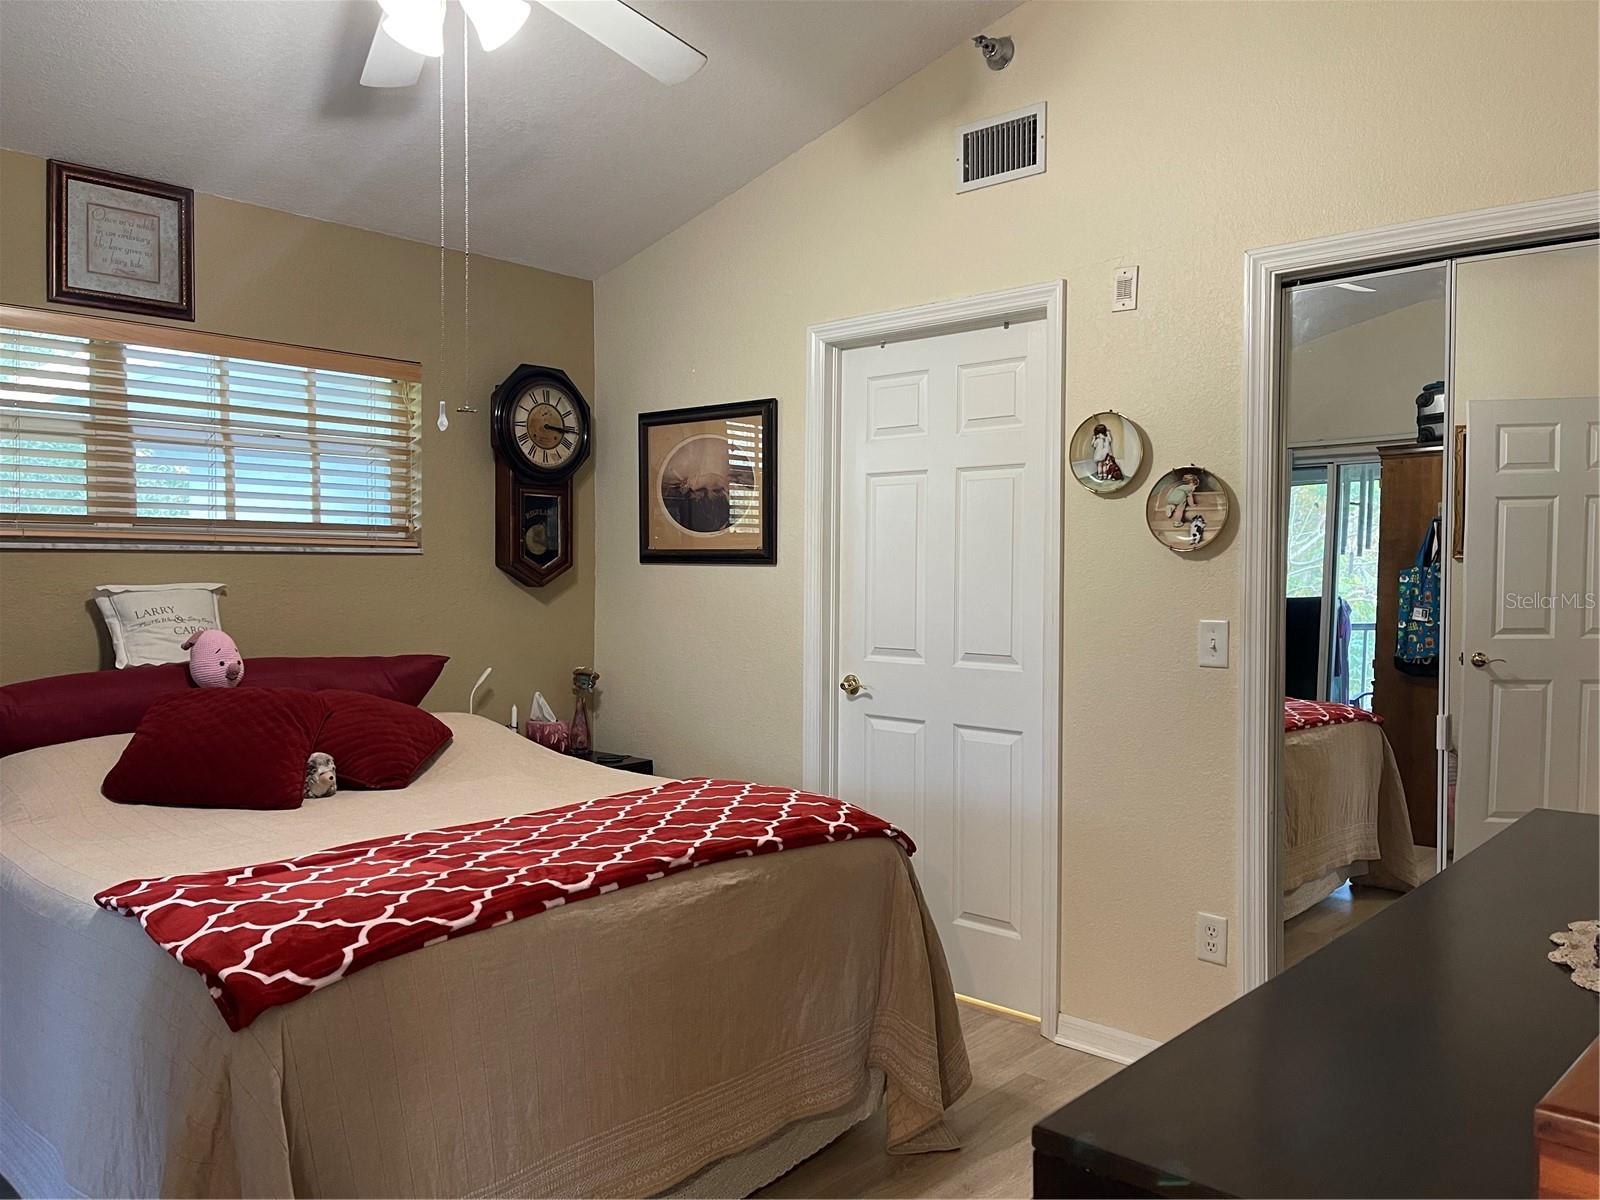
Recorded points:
(115, 433)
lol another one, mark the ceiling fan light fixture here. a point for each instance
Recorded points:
(418, 25)
(496, 21)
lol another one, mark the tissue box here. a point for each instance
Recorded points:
(553, 735)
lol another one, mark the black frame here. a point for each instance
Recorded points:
(767, 411)
(58, 290)
(510, 388)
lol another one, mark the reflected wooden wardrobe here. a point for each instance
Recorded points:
(1413, 481)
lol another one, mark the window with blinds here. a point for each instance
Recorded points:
(114, 433)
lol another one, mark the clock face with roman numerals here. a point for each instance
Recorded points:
(541, 423)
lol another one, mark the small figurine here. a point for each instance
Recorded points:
(322, 779)
(214, 660)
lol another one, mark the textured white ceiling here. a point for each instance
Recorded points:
(1318, 309)
(578, 160)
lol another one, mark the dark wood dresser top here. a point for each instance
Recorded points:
(1405, 1059)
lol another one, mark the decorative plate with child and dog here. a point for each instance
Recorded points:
(1187, 509)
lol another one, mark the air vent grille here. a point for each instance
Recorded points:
(1000, 149)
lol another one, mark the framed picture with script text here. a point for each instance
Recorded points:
(118, 242)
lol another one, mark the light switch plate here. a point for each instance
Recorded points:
(1212, 644)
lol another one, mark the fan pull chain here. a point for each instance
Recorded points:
(444, 421)
(466, 214)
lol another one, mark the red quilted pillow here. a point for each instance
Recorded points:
(65, 708)
(378, 743)
(220, 748)
(403, 677)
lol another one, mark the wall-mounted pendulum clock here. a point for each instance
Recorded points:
(539, 425)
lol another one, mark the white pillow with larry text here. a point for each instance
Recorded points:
(149, 622)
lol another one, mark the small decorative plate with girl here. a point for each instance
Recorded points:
(1187, 509)
(1106, 452)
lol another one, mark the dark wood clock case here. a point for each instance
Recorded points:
(532, 526)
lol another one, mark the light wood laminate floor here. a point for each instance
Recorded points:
(1017, 1078)
(1337, 913)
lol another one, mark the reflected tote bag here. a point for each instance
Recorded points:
(1416, 643)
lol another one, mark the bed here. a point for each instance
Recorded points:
(1344, 807)
(698, 1034)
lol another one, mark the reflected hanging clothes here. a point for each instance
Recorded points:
(1339, 677)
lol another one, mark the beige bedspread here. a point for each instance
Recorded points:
(1344, 803)
(612, 1047)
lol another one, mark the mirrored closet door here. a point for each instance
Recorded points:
(1523, 655)
(1442, 539)
(1364, 367)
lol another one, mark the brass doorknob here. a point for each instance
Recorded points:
(849, 685)
(1481, 660)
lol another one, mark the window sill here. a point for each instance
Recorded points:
(202, 547)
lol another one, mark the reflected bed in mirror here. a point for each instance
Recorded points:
(1363, 377)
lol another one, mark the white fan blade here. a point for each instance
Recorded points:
(389, 64)
(632, 35)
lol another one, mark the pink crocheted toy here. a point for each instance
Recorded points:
(214, 660)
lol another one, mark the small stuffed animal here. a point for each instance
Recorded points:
(214, 660)
(322, 779)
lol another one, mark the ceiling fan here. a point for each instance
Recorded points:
(412, 31)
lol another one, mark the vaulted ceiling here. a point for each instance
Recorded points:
(578, 160)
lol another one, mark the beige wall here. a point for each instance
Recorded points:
(1359, 384)
(267, 274)
(1180, 136)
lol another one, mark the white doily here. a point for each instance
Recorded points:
(1576, 949)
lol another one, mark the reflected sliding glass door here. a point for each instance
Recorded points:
(1333, 556)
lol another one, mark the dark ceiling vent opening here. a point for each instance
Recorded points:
(1000, 149)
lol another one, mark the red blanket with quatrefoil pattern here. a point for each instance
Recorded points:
(271, 933)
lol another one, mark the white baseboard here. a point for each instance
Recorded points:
(1102, 1040)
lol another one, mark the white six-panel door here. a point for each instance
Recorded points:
(1530, 699)
(943, 487)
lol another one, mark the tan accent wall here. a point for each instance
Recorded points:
(266, 274)
(1181, 135)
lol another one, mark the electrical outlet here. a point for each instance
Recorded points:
(1211, 938)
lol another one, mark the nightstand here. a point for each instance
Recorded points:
(624, 762)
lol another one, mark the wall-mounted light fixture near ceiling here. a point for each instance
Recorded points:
(997, 52)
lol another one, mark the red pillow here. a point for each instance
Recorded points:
(402, 677)
(220, 748)
(377, 743)
(65, 708)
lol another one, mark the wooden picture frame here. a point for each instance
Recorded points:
(1458, 497)
(118, 242)
(708, 484)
